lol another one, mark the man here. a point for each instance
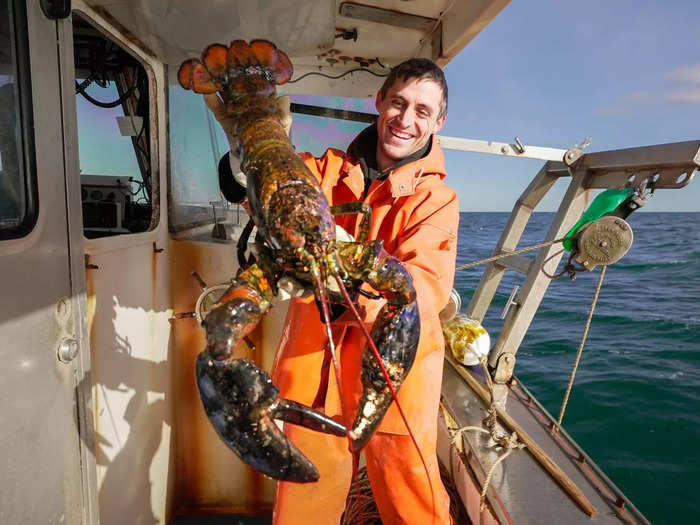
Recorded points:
(396, 167)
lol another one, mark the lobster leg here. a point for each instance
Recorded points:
(240, 399)
(395, 332)
(353, 208)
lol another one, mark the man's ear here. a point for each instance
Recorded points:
(439, 123)
(378, 100)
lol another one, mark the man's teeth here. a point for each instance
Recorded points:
(400, 134)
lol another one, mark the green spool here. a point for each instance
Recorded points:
(603, 204)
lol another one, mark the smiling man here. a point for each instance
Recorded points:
(396, 167)
(411, 109)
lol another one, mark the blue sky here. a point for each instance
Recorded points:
(626, 73)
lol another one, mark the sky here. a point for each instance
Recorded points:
(625, 73)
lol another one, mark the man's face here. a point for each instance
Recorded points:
(408, 115)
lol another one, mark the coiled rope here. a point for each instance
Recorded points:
(509, 442)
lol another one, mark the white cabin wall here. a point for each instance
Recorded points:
(128, 299)
(132, 388)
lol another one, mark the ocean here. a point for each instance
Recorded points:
(635, 405)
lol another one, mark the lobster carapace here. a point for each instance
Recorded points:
(296, 225)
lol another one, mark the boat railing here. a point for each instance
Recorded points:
(664, 166)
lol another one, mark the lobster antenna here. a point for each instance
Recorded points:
(331, 344)
(375, 352)
(323, 299)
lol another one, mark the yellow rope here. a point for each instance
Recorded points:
(580, 347)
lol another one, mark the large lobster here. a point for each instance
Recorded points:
(296, 223)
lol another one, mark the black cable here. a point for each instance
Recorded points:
(142, 109)
(126, 189)
(242, 244)
(105, 105)
(86, 83)
(379, 63)
(332, 77)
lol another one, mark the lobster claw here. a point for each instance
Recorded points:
(396, 332)
(242, 402)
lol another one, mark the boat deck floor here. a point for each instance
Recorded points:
(520, 485)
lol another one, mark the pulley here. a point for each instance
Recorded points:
(207, 300)
(602, 236)
(603, 242)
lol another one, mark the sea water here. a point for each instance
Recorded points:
(635, 404)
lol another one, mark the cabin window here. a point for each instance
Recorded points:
(316, 134)
(197, 144)
(18, 196)
(114, 135)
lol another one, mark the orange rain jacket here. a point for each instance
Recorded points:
(416, 215)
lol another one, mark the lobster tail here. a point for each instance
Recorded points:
(195, 76)
(265, 52)
(214, 58)
(283, 68)
(184, 74)
(239, 55)
(220, 64)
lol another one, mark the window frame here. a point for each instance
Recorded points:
(19, 41)
(110, 32)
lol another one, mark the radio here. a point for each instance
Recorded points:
(105, 201)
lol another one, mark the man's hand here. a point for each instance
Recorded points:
(228, 124)
(283, 107)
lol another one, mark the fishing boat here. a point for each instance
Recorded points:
(115, 242)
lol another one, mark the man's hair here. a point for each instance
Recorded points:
(421, 68)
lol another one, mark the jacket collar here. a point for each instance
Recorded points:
(355, 179)
(403, 177)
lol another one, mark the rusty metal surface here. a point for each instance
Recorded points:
(210, 479)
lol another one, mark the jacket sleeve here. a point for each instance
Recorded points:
(428, 246)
